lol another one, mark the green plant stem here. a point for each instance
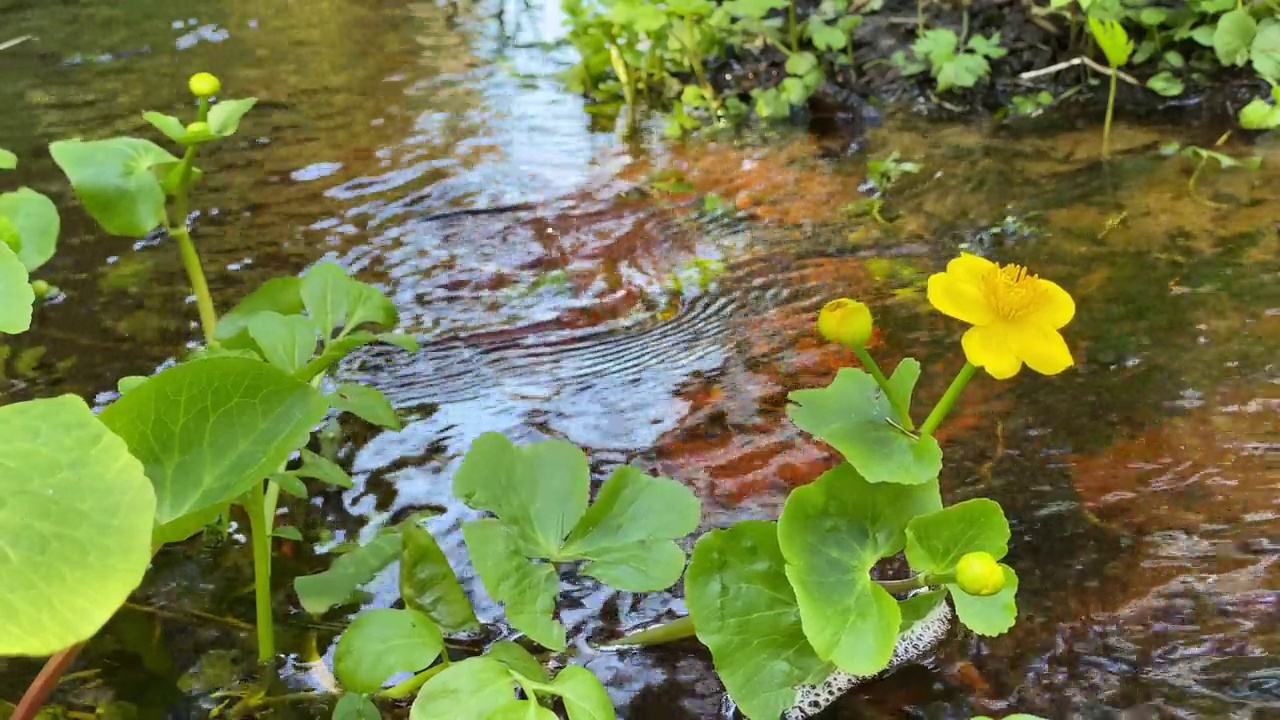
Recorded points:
(202, 111)
(899, 404)
(915, 582)
(1106, 125)
(939, 412)
(964, 27)
(408, 687)
(254, 503)
(793, 30)
(187, 248)
(672, 631)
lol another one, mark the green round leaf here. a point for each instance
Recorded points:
(35, 218)
(381, 643)
(936, 542)
(75, 525)
(526, 589)
(8, 161)
(1233, 36)
(1265, 49)
(114, 180)
(853, 416)
(992, 615)
(831, 533)
(584, 697)
(745, 612)
(472, 688)
(355, 707)
(207, 430)
(16, 295)
(428, 584)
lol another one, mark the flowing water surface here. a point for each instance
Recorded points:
(560, 291)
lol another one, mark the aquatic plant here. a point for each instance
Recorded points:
(92, 498)
(784, 606)
(1117, 46)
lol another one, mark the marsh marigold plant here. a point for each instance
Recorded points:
(1015, 315)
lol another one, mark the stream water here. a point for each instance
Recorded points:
(576, 297)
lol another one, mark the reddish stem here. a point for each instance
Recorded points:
(40, 688)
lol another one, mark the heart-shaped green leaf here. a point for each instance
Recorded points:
(335, 586)
(35, 218)
(429, 585)
(745, 612)
(75, 524)
(831, 533)
(207, 430)
(853, 416)
(1233, 36)
(936, 542)
(472, 688)
(16, 295)
(115, 182)
(381, 643)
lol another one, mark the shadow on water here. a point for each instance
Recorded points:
(560, 292)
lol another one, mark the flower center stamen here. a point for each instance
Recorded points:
(1011, 290)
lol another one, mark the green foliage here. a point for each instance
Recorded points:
(16, 295)
(118, 181)
(381, 643)
(832, 532)
(484, 687)
(938, 51)
(207, 430)
(75, 524)
(352, 706)
(336, 585)
(428, 584)
(854, 415)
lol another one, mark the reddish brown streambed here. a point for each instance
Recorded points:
(624, 315)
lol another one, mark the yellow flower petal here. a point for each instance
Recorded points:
(1042, 348)
(970, 268)
(1054, 306)
(988, 348)
(959, 299)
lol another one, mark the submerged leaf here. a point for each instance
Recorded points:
(75, 525)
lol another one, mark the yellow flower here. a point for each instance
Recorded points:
(847, 322)
(1015, 315)
(204, 84)
(978, 573)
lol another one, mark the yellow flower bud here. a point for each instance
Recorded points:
(204, 84)
(847, 322)
(979, 574)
